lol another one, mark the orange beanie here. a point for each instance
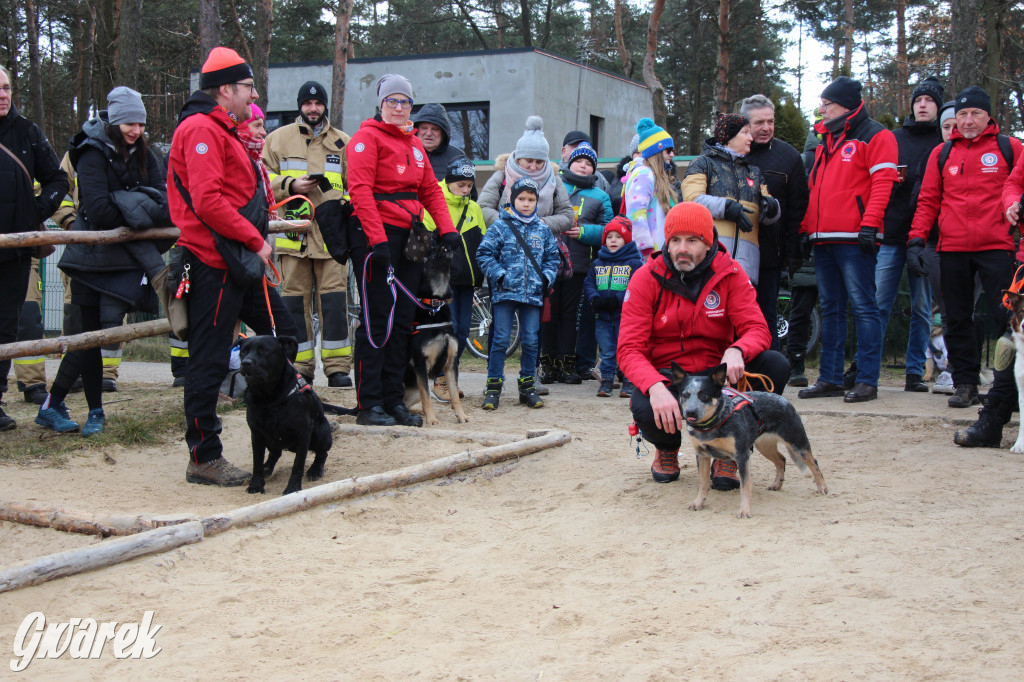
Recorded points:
(689, 218)
(222, 67)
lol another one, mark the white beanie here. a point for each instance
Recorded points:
(533, 144)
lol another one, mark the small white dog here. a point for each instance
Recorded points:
(1015, 302)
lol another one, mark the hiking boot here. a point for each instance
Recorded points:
(403, 417)
(943, 384)
(549, 373)
(179, 382)
(589, 373)
(339, 380)
(375, 416)
(850, 376)
(52, 418)
(796, 373)
(528, 394)
(821, 389)
(964, 395)
(605, 389)
(95, 423)
(723, 475)
(216, 472)
(569, 375)
(109, 386)
(987, 432)
(492, 393)
(666, 466)
(6, 423)
(440, 390)
(627, 389)
(35, 394)
(915, 384)
(861, 393)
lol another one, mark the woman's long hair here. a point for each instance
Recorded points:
(663, 186)
(135, 160)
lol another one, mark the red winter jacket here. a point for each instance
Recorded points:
(851, 180)
(385, 159)
(967, 197)
(216, 171)
(1014, 187)
(659, 325)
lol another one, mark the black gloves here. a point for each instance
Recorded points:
(866, 240)
(806, 248)
(736, 212)
(916, 263)
(380, 256)
(769, 207)
(451, 240)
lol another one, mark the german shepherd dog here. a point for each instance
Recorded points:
(1015, 301)
(726, 424)
(433, 345)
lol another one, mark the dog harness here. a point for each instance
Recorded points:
(1015, 286)
(732, 401)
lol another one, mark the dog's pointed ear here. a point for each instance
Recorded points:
(289, 345)
(720, 374)
(677, 372)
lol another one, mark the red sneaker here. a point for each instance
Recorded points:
(666, 466)
(723, 475)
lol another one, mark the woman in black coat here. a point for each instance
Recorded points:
(120, 183)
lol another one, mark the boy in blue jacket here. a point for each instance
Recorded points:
(518, 279)
(605, 288)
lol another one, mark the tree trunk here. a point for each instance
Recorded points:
(650, 59)
(209, 27)
(261, 44)
(722, 67)
(620, 40)
(848, 38)
(963, 48)
(35, 72)
(696, 113)
(129, 46)
(903, 103)
(342, 38)
(105, 51)
(524, 19)
(85, 15)
(991, 78)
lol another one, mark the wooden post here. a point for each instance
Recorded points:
(116, 236)
(99, 555)
(73, 521)
(101, 337)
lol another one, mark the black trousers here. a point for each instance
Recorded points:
(380, 372)
(957, 273)
(13, 287)
(558, 336)
(215, 303)
(770, 363)
(803, 300)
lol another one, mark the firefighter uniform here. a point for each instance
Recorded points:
(311, 281)
(30, 371)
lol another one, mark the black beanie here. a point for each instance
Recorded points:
(460, 168)
(523, 185)
(844, 91)
(312, 90)
(974, 97)
(575, 137)
(931, 87)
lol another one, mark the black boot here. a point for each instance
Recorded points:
(375, 416)
(987, 432)
(492, 393)
(549, 374)
(6, 423)
(796, 371)
(528, 394)
(850, 376)
(569, 375)
(915, 384)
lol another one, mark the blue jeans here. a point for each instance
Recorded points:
(501, 330)
(888, 273)
(845, 274)
(462, 311)
(608, 339)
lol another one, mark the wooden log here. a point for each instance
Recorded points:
(481, 437)
(72, 521)
(116, 236)
(101, 337)
(99, 555)
(356, 487)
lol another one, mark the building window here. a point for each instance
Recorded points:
(280, 118)
(596, 132)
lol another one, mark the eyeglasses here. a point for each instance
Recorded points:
(825, 104)
(251, 86)
(398, 103)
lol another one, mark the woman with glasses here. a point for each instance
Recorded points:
(391, 182)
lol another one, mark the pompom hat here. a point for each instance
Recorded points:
(653, 139)
(584, 151)
(620, 224)
(533, 144)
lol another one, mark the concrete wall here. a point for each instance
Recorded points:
(515, 82)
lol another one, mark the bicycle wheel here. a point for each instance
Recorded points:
(783, 307)
(815, 335)
(480, 320)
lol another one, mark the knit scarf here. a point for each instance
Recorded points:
(545, 179)
(254, 148)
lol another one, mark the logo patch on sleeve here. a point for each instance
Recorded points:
(360, 147)
(201, 148)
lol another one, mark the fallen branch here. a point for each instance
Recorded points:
(99, 555)
(100, 337)
(73, 521)
(356, 487)
(481, 437)
(120, 234)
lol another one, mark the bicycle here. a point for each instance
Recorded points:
(784, 307)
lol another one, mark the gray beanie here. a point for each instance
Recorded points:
(392, 84)
(634, 144)
(533, 144)
(124, 105)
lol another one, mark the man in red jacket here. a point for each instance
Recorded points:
(962, 189)
(851, 181)
(694, 305)
(211, 183)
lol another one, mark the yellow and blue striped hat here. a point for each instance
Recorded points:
(653, 139)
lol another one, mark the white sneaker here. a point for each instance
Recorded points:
(943, 384)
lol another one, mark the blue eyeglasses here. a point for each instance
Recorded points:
(398, 103)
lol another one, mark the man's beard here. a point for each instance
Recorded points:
(683, 263)
(313, 124)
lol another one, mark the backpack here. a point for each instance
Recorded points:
(1005, 148)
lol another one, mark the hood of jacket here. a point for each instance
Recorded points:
(915, 127)
(626, 252)
(201, 103)
(435, 113)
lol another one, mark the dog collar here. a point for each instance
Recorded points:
(300, 385)
(732, 402)
(435, 304)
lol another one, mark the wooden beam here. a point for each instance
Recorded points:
(73, 521)
(101, 337)
(116, 236)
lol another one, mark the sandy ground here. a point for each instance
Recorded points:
(570, 564)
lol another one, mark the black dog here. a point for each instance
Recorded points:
(433, 347)
(283, 411)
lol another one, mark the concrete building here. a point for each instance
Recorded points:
(488, 95)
